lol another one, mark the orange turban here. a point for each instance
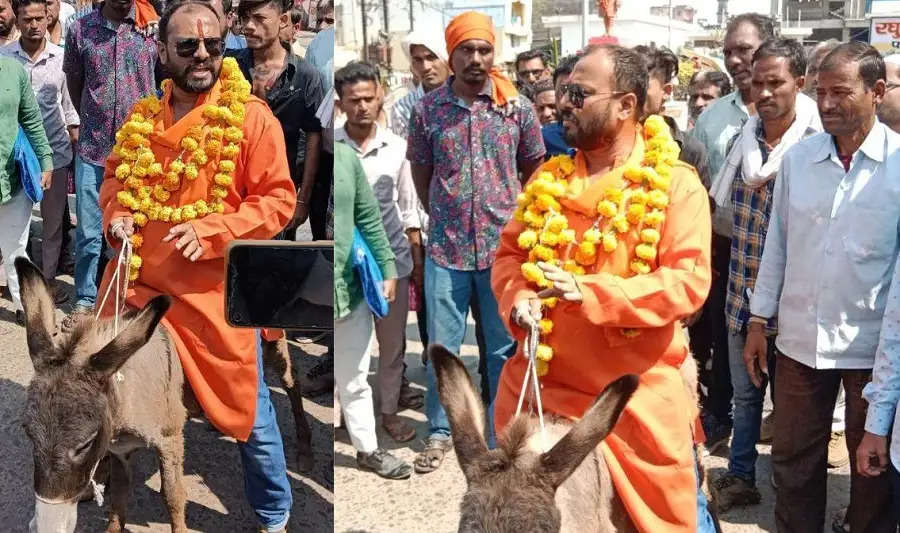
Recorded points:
(144, 13)
(474, 25)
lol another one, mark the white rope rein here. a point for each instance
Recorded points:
(123, 260)
(530, 352)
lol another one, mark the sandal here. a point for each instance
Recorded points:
(411, 398)
(398, 430)
(432, 456)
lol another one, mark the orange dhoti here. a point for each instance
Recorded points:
(220, 362)
(650, 451)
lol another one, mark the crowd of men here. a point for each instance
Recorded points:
(783, 275)
(72, 77)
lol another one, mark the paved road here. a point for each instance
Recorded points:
(214, 481)
(366, 503)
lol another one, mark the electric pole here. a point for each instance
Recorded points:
(365, 25)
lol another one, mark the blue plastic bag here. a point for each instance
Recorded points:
(369, 275)
(28, 167)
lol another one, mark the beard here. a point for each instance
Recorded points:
(5, 28)
(182, 79)
(587, 132)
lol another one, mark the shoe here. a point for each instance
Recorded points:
(60, 294)
(384, 464)
(838, 455)
(730, 490)
(320, 378)
(717, 434)
(410, 398)
(767, 429)
(20, 318)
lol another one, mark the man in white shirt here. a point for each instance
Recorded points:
(383, 157)
(829, 253)
(43, 61)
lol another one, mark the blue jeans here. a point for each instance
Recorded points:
(447, 296)
(266, 483)
(748, 408)
(704, 519)
(88, 232)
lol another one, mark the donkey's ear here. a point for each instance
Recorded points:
(131, 339)
(558, 464)
(463, 405)
(40, 320)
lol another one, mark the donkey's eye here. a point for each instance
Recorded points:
(84, 447)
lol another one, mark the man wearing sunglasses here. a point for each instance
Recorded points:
(889, 108)
(187, 258)
(649, 452)
(531, 66)
(109, 64)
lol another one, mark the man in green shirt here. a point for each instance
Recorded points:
(18, 107)
(355, 206)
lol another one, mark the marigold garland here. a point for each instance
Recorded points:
(639, 205)
(149, 186)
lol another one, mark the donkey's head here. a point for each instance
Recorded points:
(508, 491)
(68, 410)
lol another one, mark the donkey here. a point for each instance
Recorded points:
(516, 487)
(96, 393)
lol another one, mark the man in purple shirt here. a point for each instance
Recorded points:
(109, 64)
(468, 141)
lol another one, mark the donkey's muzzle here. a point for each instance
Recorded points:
(53, 517)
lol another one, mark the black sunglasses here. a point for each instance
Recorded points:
(577, 94)
(188, 47)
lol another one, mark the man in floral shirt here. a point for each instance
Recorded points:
(109, 64)
(468, 142)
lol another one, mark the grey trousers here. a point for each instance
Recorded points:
(391, 333)
(53, 207)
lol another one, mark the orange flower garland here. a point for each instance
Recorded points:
(216, 144)
(640, 204)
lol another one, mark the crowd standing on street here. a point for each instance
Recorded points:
(761, 241)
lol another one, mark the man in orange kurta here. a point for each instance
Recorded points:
(186, 260)
(649, 453)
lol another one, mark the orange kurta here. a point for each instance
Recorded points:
(649, 452)
(219, 361)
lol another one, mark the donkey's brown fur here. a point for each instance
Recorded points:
(517, 487)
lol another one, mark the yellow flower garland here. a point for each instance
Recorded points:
(640, 204)
(216, 143)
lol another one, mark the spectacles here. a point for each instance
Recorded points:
(531, 73)
(891, 86)
(577, 94)
(188, 47)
